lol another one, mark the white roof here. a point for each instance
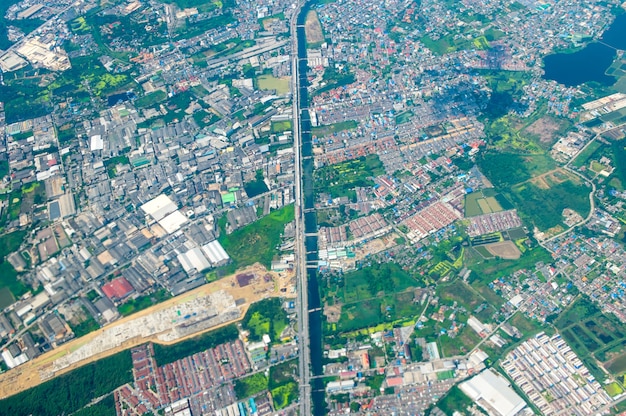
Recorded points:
(173, 222)
(215, 252)
(193, 260)
(97, 143)
(159, 207)
(491, 390)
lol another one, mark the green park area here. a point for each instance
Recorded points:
(340, 179)
(256, 242)
(376, 294)
(269, 82)
(329, 129)
(265, 317)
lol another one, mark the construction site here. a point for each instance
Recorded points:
(203, 309)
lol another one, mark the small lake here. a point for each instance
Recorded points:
(591, 62)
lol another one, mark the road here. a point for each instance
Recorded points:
(300, 250)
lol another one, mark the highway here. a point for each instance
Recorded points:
(300, 250)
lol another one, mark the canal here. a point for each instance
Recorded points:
(310, 222)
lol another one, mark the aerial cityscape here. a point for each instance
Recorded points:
(312, 207)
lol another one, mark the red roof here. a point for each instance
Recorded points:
(117, 289)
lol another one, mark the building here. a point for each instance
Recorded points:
(117, 289)
(493, 393)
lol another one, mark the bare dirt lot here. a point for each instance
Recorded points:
(545, 128)
(313, 29)
(34, 372)
(505, 249)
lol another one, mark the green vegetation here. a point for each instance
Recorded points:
(404, 117)
(329, 129)
(335, 79)
(265, 317)
(506, 169)
(341, 179)
(87, 325)
(194, 27)
(281, 126)
(284, 395)
(594, 336)
(486, 271)
(65, 133)
(105, 407)
(165, 354)
(72, 391)
(454, 400)
(111, 164)
(484, 202)
(256, 187)
(268, 82)
(203, 6)
(544, 207)
(256, 242)
(373, 295)
(150, 99)
(143, 302)
(250, 386)
(8, 276)
(453, 42)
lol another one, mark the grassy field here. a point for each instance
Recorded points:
(507, 169)
(329, 129)
(459, 292)
(544, 207)
(256, 242)
(150, 99)
(476, 203)
(269, 82)
(250, 386)
(265, 317)
(341, 179)
(585, 155)
(372, 295)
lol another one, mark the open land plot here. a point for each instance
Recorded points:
(507, 169)
(340, 179)
(460, 292)
(504, 249)
(482, 202)
(544, 207)
(313, 30)
(328, 129)
(270, 82)
(548, 129)
(34, 372)
(6, 297)
(256, 241)
(482, 250)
